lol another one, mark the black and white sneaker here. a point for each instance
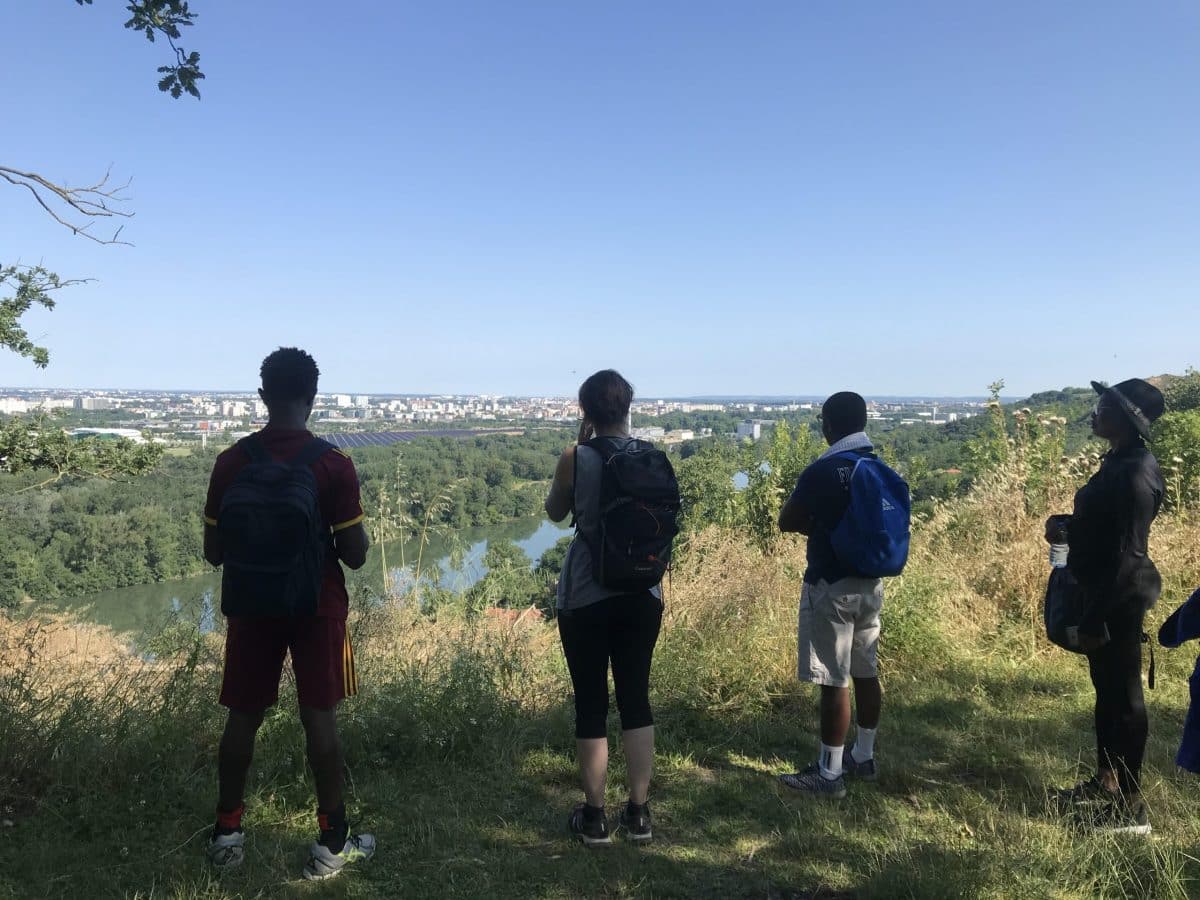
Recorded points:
(852, 768)
(635, 821)
(811, 781)
(1115, 817)
(226, 851)
(323, 863)
(1092, 792)
(591, 832)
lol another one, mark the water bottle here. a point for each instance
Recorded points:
(1058, 556)
(1059, 547)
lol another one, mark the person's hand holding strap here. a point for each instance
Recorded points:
(586, 432)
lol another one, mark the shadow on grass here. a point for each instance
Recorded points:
(479, 810)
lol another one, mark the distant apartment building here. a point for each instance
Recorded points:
(13, 406)
(362, 401)
(748, 429)
(94, 403)
(342, 400)
(649, 433)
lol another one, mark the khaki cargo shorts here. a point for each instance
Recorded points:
(838, 631)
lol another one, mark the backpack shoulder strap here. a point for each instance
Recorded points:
(311, 452)
(600, 446)
(852, 456)
(253, 447)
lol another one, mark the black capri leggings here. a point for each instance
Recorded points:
(625, 630)
(1121, 724)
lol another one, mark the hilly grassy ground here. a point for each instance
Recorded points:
(460, 748)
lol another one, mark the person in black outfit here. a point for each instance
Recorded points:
(1108, 534)
(599, 624)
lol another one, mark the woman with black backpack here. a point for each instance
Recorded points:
(1108, 533)
(624, 497)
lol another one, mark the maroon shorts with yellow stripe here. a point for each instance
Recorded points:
(321, 659)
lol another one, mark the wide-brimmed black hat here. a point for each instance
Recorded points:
(1141, 401)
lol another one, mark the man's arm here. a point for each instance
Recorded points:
(350, 540)
(796, 515)
(213, 552)
(562, 490)
(350, 543)
(794, 518)
(218, 481)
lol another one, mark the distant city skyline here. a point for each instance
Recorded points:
(900, 199)
(639, 398)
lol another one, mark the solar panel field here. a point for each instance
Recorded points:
(350, 439)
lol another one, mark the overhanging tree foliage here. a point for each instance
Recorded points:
(37, 443)
(80, 208)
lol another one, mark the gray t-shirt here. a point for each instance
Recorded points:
(577, 585)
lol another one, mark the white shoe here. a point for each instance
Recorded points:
(324, 863)
(226, 851)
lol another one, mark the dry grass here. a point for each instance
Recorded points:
(459, 747)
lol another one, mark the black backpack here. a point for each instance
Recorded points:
(636, 524)
(273, 540)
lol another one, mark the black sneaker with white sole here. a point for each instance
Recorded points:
(635, 821)
(323, 863)
(852, 768)
(1115, 817)
(811, 781)
(592, 831)
(1091, 792)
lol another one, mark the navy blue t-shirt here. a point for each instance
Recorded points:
(823, 490)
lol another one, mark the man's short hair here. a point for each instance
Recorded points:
(289, 375)
(605, 398)
(844, 413)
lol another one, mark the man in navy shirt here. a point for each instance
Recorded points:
(838, 633)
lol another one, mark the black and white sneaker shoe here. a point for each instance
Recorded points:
(1115, 817)
(591, 833)
(852, 768)
(635, 821)
(323, 863)
(1092, 792)
(226, 851)
(811, 781)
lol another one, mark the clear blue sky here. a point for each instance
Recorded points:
(793, 197)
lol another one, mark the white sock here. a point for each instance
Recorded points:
(830, 763)
(864, 744)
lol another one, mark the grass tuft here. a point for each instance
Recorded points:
(460, 749)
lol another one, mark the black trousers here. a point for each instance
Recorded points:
(1121, 722)
(622, 629)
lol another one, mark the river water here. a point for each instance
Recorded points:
(456, 560)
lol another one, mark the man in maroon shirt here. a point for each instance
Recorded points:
(255, 647)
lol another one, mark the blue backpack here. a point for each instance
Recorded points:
(872, 537)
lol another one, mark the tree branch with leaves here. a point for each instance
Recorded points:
(165, 18)
(37, 443)
(31, 286)
(80, 208)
